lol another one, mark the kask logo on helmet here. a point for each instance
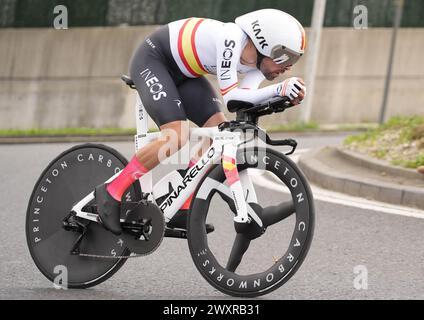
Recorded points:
(257, 30)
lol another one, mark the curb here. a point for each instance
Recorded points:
(378, 165)
(337, 179)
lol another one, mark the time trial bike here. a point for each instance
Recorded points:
(258, 200)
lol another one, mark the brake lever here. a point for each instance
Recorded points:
(292, 143)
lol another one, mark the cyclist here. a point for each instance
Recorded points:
(168, 70)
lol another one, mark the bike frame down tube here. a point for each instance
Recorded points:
(175, 200)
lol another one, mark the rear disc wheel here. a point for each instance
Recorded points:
(65, 181)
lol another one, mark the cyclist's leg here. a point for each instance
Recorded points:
(199, 99)
(202, 106)
(162, 101)
(174, 135)
(213, 121)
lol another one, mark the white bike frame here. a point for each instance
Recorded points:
(224, 145)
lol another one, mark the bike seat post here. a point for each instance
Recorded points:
(142, 122)
(141, 138)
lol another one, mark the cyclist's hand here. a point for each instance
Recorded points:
(293, 88)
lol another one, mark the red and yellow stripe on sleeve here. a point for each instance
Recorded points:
(229, 88)
(187, 47)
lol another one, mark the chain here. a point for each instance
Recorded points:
(132, 255)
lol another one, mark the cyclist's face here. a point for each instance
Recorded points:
(272, 70)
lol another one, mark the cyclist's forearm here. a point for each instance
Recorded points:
(252, 80)
(254, 96)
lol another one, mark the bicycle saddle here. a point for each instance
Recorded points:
(236, 105)
(128, 81)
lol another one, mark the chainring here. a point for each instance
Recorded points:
(149, 214)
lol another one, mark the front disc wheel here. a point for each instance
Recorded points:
(254, 259)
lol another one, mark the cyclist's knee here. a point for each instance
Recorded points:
(215, 120)
(176, 134)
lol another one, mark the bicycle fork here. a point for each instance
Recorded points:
(235, 183)
(233, 180)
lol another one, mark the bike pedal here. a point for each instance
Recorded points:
(175, 233)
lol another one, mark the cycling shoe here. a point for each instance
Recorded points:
(109, 210)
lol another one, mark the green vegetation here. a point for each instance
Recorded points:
(357, 126)
(399, 141)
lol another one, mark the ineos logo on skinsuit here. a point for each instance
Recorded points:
(226, 62)
(152, 82)
(257, 30)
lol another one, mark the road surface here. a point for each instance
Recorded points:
(353, 238)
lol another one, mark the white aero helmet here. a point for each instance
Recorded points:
(275, 34)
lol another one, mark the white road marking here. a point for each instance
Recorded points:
(269, 182)
(357, 202)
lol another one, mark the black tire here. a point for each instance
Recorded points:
(261, 283)
(69, 177)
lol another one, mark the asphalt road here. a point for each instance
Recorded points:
(389, 247)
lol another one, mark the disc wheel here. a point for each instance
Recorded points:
(65, 181)
(252, 260)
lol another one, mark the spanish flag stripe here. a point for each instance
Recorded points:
(180, 49)
(187, 47)
(193, 45)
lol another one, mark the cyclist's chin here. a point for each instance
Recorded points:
(270, 76)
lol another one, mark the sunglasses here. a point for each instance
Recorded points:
(284, 56)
